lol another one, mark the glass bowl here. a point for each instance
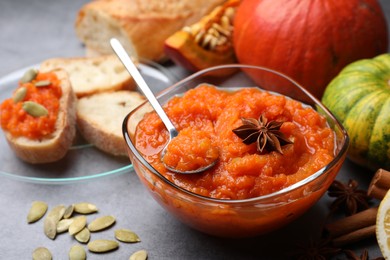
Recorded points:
(247, 217)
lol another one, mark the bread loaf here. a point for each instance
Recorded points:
(90, 75)
(53, 146)
(100, 118)
(140, 25)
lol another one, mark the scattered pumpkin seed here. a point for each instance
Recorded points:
(85, 208)
(29, 76)
(102, 245)
(51, 221)
(37, 211)
(57, 212)
(50, 227)
(59, 220)
(34, 109)
(101, 223)
(63, 225)
(77, 225)
(19, 94)
(69, 211)
(77, 252)
(42, 83)
(41, 253)
(126, 235)
(83, 236)
(139, 255)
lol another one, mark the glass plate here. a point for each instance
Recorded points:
(83, 161)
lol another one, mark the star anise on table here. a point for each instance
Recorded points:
(364, 256)
(266, 133)
(348, 196)
(315, 250)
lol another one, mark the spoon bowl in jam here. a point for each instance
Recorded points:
(179, 167)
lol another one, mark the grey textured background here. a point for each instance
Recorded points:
(31, 31)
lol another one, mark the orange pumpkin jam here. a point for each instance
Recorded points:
(191, 150)
(18, 122)
(241, 172)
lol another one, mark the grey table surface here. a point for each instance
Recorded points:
(31, 31)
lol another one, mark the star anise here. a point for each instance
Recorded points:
(266, 134)
(364, 256)
(348, 197)
(315, 250)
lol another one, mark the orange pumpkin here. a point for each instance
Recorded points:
(206, 43)
(309, 40)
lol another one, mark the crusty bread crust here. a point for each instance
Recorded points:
(91, 75)
(141, 26)
(100, 118)
(55, 146)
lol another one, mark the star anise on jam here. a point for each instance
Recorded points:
(266, 133)
(348, 197)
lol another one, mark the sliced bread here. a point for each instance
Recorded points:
(100, 118)
(52, 147)
(90, 75)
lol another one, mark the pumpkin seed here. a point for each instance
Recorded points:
(222, 40)
(102, 245)
(63, 225)
(126, 235)
(220, 29)
(139, 255)
(206, 40)
(37, 211)
(42, 83)
(101, 223)
(19, 94)
(41, 253)
(34, 109)
(29, 76)
(50, 227)
(85, 208)
(199, 36)
(77, 225)
(51, 221)
(77, 252)
(213, 31)
(57, 212)
(83, 236)
(229, 12)
(213, 43)
(69, 211)
(225, 22)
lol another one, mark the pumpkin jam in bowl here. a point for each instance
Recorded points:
(260, 182)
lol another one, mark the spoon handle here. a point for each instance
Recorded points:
(132, 69)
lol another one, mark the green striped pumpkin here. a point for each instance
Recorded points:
(359, 97)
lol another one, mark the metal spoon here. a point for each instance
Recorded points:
(132, 69)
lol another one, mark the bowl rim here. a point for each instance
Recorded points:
(342, 153)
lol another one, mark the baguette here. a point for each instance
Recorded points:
(54, 146)
(93, 74)
(141, 26)
(100, 118)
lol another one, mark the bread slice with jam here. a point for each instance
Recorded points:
(39, 121)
